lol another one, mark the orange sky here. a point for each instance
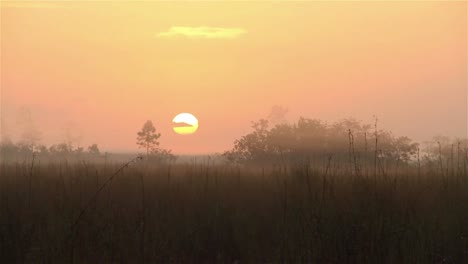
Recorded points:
(101, 69)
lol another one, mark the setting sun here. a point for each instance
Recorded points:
(185, 124)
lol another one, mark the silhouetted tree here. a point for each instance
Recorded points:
(252, 146)
(62, 149)
(448, 154)
(7, 148)
(94, 149)
(163, 155)
(147, 138)
(314, 138)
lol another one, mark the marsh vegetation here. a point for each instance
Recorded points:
(295, 205)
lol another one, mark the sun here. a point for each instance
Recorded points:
(185, 124)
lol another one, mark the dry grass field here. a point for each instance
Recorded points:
(204, 211)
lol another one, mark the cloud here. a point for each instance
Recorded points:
(202, 32)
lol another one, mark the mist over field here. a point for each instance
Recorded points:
(233, 132)
(94, 72)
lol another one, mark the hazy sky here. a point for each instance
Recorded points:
(99, 70)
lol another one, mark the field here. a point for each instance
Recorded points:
(205, 211)
(303, 131)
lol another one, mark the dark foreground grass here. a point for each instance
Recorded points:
(201, 212)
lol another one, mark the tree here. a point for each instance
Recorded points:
(315, 138)
(251, 147)
(94, 150)
(163, 155)
(7, 148)
(147, 138)
(61, 149)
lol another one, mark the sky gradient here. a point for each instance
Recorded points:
(96, 71)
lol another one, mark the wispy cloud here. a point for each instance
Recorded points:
(202, 32)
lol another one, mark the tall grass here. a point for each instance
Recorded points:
(302, 211)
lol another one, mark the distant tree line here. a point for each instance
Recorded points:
(21, 149)
(345, 140)
(147, 139)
